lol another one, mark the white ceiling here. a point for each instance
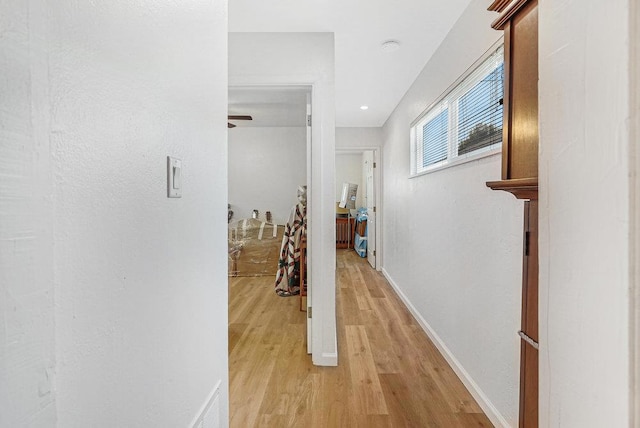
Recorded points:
(365, 74)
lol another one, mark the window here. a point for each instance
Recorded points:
(465, 122)
(435, 136)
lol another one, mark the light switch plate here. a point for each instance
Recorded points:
(174, 177)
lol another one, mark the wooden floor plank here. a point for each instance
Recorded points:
(248, 388)
(367, 396)
(236, 330)
(389, 372)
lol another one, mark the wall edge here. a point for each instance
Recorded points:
(481, 398)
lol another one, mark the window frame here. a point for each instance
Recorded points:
(448, 100)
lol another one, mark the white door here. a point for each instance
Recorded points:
(370, 202)
(309, 187)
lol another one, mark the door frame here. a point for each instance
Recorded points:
(377, 182)
(320, 212)
(634, 214)
(634, 203)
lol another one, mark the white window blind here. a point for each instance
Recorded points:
(467, 120)
(435, 133)
(480, 110)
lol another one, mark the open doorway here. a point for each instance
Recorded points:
(269, 169)
(360, 167)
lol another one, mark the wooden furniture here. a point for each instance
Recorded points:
(361, 227)
(519, 21)
(360, 238)
(529, 319)
(345, 232)
(303, 273)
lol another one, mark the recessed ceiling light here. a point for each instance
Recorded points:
(364, 107)
(390, 46)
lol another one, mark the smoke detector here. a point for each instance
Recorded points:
(390, 45)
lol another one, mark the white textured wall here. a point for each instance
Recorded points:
(453, 246)
(584, 213)
(304, 59)
(266, 166)
(349, 170)
(634, 201)
(98, 96)
(27, 353)
(358, 138)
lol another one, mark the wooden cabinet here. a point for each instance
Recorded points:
(520, 138)
(519, 21)
(345, 232)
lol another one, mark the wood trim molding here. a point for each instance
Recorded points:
(507, 12)
(499, 5)
(521, 188)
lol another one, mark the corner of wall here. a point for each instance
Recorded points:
(634, 205)
(483, 400)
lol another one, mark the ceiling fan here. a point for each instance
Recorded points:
(236, 117)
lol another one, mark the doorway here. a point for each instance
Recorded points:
(304, 59)
(361, 166)
(269, 165)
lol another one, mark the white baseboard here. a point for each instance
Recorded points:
(209, 414)
(329, 359)
(490, 410)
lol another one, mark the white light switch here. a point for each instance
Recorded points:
(174, 177)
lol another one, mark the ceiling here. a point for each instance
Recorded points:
(365, 73)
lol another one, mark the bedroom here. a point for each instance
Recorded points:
(268, 163)
(267, 167)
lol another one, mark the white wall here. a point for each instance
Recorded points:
(114, 298)
(358, 138)
(584, 213)
(304, 59)
(349, 170)
(634, 200)
(27, 352)
(266, 166)
(452, 246)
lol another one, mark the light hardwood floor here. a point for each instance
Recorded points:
(389, 372)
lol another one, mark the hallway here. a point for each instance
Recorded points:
(389, 373)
